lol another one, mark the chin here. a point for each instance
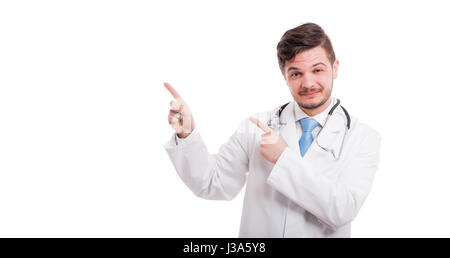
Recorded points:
(311, 103)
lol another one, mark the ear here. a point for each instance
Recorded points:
(335, 68)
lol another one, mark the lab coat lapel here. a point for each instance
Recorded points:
(288, 132)
(333, 132)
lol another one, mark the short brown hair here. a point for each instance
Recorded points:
(302, 38)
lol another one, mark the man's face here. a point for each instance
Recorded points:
(310, 76)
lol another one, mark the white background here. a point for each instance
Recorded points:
(83, 111)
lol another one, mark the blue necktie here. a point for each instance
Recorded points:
(308, 125)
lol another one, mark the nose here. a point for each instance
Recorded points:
(307, 81)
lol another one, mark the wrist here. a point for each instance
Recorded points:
(183, 135)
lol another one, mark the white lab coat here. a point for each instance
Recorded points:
(310, 196)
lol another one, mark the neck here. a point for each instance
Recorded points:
(318, 110)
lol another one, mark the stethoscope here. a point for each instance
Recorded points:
(275, 124)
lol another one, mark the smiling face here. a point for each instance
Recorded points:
(310, 76)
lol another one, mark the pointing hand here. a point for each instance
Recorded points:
(180, 116)
(272, 144)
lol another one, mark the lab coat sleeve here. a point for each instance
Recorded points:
(334, 202)
(216, 177)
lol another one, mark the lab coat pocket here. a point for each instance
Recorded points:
(321, 160)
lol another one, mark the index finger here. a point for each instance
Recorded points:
(172, 90)
(260, 124)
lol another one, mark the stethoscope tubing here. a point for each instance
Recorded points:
(338, 103)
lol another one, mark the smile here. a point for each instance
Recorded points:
(309, 94)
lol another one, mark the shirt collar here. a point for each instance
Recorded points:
(320, 118)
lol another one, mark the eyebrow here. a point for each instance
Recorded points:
(316, 64)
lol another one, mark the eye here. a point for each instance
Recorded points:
(318, 70)
(295, 74)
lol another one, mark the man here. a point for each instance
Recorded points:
(308, 175)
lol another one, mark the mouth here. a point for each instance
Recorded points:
(309, 94)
